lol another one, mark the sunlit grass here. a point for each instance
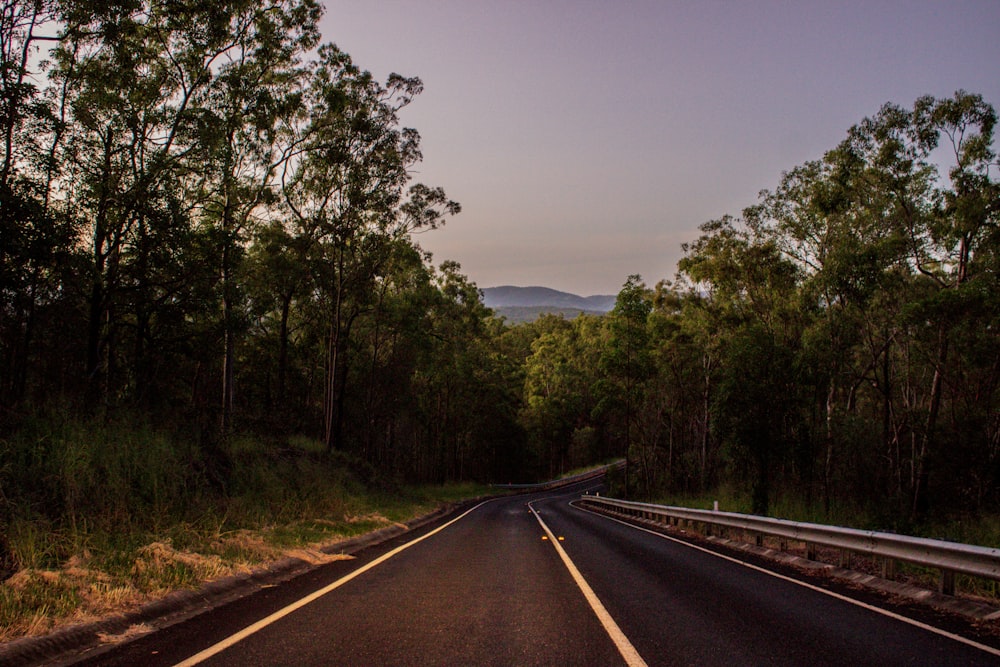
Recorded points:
(586, 469)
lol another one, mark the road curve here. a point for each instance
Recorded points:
(681, 603)
(490, 587)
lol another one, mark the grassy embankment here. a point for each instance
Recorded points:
(98, 520)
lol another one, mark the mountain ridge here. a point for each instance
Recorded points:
(511, 296)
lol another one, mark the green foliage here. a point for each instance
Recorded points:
(208, 220)
(751, 408)
(834, 349)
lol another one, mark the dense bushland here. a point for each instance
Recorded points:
(213, 308)
(838, 344)
(212, 305)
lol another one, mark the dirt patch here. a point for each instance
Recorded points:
(132, 632)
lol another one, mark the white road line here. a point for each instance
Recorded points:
(631, 656)
(923, 626)
(281, 613)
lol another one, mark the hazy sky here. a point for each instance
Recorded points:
(588, 140)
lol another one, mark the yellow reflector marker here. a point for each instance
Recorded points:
(625, 648)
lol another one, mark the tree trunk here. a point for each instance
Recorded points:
(828, 462)
(286, 309)
(921, 475)
(706, 410)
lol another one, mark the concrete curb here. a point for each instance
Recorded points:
(181, 605)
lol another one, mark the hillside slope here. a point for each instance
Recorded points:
(509, 296)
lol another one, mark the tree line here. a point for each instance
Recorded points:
(207, 223)
(838, 341)
(207, 229)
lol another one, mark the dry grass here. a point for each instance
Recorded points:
(67, 577)
(34, 602)
(37, 601)
(371, 519)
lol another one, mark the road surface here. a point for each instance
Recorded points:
(532, 580)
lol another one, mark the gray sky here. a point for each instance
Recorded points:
(587, 140)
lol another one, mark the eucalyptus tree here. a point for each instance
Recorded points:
(133, 79)
(675, 411)
(254, 95)
(625, 360)
(33, 242)
(554, 386)
(946, 221)
(688, 330)
(278, 369)
(24, 27)
(749, 315)
(848, 258)
(391, 338)
(346, 190)
(465, 414)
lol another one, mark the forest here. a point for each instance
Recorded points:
(209, 256)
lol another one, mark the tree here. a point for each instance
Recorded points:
(556, 400)
(252, 96)
(944, 225)
(750, 316)
(751, 407)
(133, 80)
(847, 257)
(34, 242)
(345, 189)
(626, 358)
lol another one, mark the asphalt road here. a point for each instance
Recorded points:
(531, 580)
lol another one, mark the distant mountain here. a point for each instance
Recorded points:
(520, 304)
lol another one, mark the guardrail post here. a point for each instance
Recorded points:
(810, 551)
(845, 559)
(758, 539)
(947, 586)
(888, 568)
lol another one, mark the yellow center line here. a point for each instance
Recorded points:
(628, 652)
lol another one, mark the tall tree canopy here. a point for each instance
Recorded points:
(207, 226)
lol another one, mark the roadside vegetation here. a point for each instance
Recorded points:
(220, 338)
(142, 523)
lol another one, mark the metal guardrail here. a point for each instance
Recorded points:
(949, 557)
